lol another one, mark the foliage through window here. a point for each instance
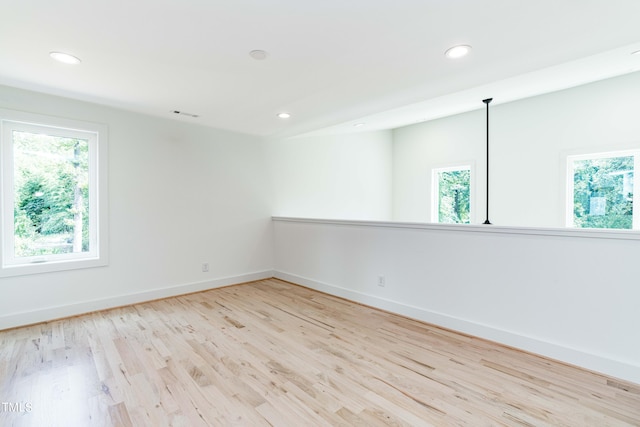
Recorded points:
(452, 195)
(51, 194)
(601, 191)
(51, 202)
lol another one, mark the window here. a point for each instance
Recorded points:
(601, 190)
(53, 194)
(452, 195)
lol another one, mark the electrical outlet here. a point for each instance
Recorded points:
(381, 281)
(205, 267)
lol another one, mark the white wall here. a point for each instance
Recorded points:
(418, 149)
(346, 176)
(567, 294)
(180, 195)
(570, 295)
(529, 142)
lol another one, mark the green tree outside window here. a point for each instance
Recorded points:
(603, 192)
(51, 194)
(453, 196)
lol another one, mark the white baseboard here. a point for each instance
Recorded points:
(556, 351)
(58, 312)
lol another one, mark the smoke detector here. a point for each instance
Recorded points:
(258, 54)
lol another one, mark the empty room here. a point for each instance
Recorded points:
(286, 213)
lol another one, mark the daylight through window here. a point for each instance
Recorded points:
(452, 195)
(51, 197)
(51, 194)
(601, 190)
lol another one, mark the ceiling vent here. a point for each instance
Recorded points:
(183, 113)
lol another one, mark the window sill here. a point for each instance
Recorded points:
(51, 267)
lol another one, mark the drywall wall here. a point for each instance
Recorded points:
(344, 176)
(529, 142)
(418, 149)
(567, 294)
(180, 195)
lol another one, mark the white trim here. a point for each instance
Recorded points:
(97, 134)
(472, 228)
(557, 351)
(13, 320)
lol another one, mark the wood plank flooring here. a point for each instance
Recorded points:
(273, 353)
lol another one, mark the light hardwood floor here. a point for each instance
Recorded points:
(273, 353)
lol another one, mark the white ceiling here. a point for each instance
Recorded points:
(331, 63)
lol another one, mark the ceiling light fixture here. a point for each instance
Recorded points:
(358, 125)
(65, 58)
(459, 51)
(284, 115)
(258, 54)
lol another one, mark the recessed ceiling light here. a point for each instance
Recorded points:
(459, 51)
(258, 54)
(284, 115)
(65, 58)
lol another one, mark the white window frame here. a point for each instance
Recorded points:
(435, 189)
(602, 155)
(96, 134)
